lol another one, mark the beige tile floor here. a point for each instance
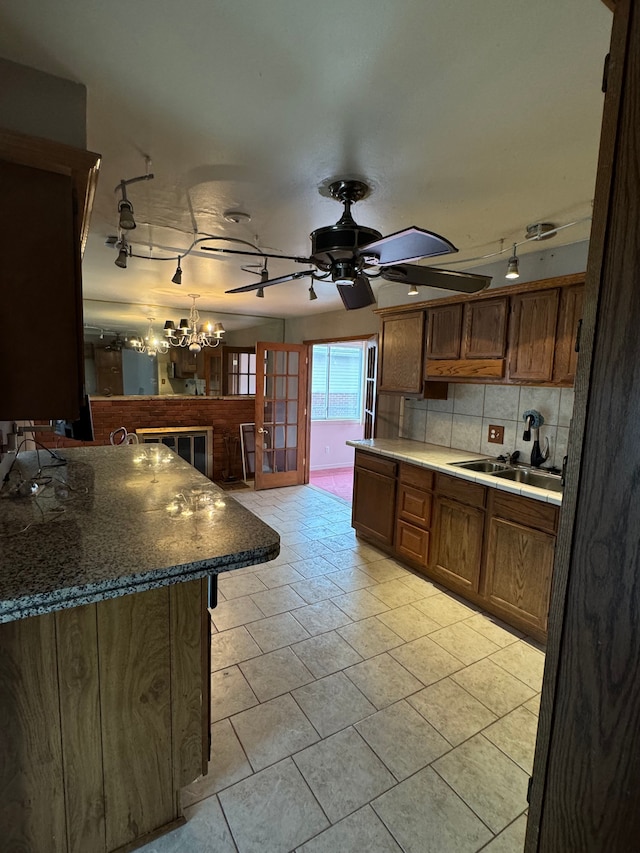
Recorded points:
(356, 706)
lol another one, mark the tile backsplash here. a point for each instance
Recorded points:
(462, 421)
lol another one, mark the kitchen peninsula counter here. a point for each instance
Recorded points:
(117, 520)
(105, 642)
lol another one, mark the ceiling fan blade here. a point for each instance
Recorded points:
(257, 254)
(463, 282)
(412, 244)
(358, 294)
(279, 280)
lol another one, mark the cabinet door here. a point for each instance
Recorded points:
(445, 332)
(414, 505)
(485, 328)
(50, 186)
(402, 343)
(518, 572)
(457, 537)
(412, 543)
(532, 335)
(569, 316)
(108, 371)
(185, 362)
(373, 511)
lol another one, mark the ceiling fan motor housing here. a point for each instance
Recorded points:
(339, 241)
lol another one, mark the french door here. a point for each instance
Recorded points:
(281, 416)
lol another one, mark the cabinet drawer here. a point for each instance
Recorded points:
(461, 490)
(525, 511)
(413, 475)
(414, 505)
(376, 463)
(412, 542)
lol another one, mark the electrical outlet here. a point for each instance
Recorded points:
(496, 434)
(326, 449)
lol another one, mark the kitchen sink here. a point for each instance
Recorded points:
(531, 478)
(484, 466)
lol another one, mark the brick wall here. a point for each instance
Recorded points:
(225, 416)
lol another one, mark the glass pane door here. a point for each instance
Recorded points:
(281, 395)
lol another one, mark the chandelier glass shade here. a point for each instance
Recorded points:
(189, 333)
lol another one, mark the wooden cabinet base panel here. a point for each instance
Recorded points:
(101, 716)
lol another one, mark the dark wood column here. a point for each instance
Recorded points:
(586, 779)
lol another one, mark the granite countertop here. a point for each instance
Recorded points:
(117, 520)
(441, 458)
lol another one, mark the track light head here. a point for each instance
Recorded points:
(260, 293)
(123, 254)
(413, 290)
(512, 266)
(126, 221)
(177, 276)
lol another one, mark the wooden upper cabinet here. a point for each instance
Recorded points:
(401, 352)
(444, 336)
(532, 335)
(49, 186)
(485, 328)
(569, 317)
(467, 340)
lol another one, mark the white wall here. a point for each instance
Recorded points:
(40, 104)
(328, 448)
(332, 326)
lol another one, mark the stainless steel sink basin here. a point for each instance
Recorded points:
(484, 466)
(531, 478)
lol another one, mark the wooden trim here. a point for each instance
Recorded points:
(342, 339)
(460, 368)
(610, 4)
(578, 688)
(510, 290)
(82, 166)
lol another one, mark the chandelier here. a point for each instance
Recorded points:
(151, 344)
(187, 334)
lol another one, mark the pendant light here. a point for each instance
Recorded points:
(413, 291)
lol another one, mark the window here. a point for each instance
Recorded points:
(240, 371)
(336, 382)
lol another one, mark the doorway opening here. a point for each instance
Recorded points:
(342, 395)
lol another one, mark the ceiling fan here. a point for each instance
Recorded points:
(350, 255)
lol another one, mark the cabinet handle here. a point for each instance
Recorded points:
(578, 336)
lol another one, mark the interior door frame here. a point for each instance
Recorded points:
(310, 344)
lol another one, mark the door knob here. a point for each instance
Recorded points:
(263, 431)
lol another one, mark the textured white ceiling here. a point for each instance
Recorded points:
(472, 119)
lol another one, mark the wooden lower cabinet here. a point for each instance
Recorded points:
(518, 572)
(457, 544)
(495, 548)
(103, 718)
(374, 500)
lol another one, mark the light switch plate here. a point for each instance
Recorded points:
(496, 434)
